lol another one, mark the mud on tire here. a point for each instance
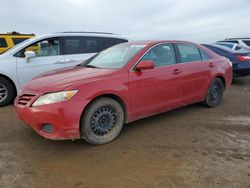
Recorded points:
(214, 93)
(102, 121)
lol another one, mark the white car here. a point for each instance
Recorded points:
(44, 53)
(242, 41)
(233, 46)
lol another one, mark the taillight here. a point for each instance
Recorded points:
(243, 57)
(230, 63)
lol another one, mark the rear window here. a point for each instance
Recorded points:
(189, 53)
(3, 43)
(247, 42)
(108, 42)
(18, 40)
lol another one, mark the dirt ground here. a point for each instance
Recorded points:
(190, 147)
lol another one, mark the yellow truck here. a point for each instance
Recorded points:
(10, 39)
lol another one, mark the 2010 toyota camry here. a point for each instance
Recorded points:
(124, 83)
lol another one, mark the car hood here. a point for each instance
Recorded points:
(60, 79)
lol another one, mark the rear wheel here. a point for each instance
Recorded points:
(7, 92)
(102, 121)
(214, 93)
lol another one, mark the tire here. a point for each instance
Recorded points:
(102, 121)
(214, 93)
(7, 92)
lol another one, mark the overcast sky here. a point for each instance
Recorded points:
(195, 20)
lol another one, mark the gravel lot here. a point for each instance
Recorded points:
(191, 147)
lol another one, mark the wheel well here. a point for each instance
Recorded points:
(223, 81)
(12, 83)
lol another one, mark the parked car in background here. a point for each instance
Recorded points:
(22, 63)
(240, 58)
(8, 40)
(233, 46)
(124, 83)
(241, 41)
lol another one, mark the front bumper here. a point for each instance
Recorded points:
(63, 117)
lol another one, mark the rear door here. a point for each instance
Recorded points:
(155, 90)
(79, 48)
(195, 72)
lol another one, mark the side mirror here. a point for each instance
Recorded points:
(29, 55)
(147, 64)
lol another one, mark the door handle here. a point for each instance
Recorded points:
(211, 65)
(64, 62)
(59, 62)
(177, 71)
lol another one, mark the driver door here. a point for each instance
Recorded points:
(48, 57)
(155, 90)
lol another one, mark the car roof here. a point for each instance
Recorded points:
(238, 38)
(153, 42)
(61, 34)
(91, 33)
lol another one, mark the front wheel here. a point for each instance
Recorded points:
(214, 93)
(7, 92)
(102, 121)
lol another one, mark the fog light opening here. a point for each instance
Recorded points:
(48, 128)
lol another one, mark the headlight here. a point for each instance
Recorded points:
(54, 97)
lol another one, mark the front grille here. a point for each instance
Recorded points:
(25, 98)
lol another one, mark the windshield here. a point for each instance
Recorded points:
(115, 57)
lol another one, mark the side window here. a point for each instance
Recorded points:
(247, 42)
(18, 40)
(47, 47)
(189, 53)
(81, 45)
(3, 43)
(108, 42)
(162, 54)
(204, 55)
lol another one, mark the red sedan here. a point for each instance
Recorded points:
(124, 83)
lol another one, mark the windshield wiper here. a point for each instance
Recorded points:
(91, 66)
